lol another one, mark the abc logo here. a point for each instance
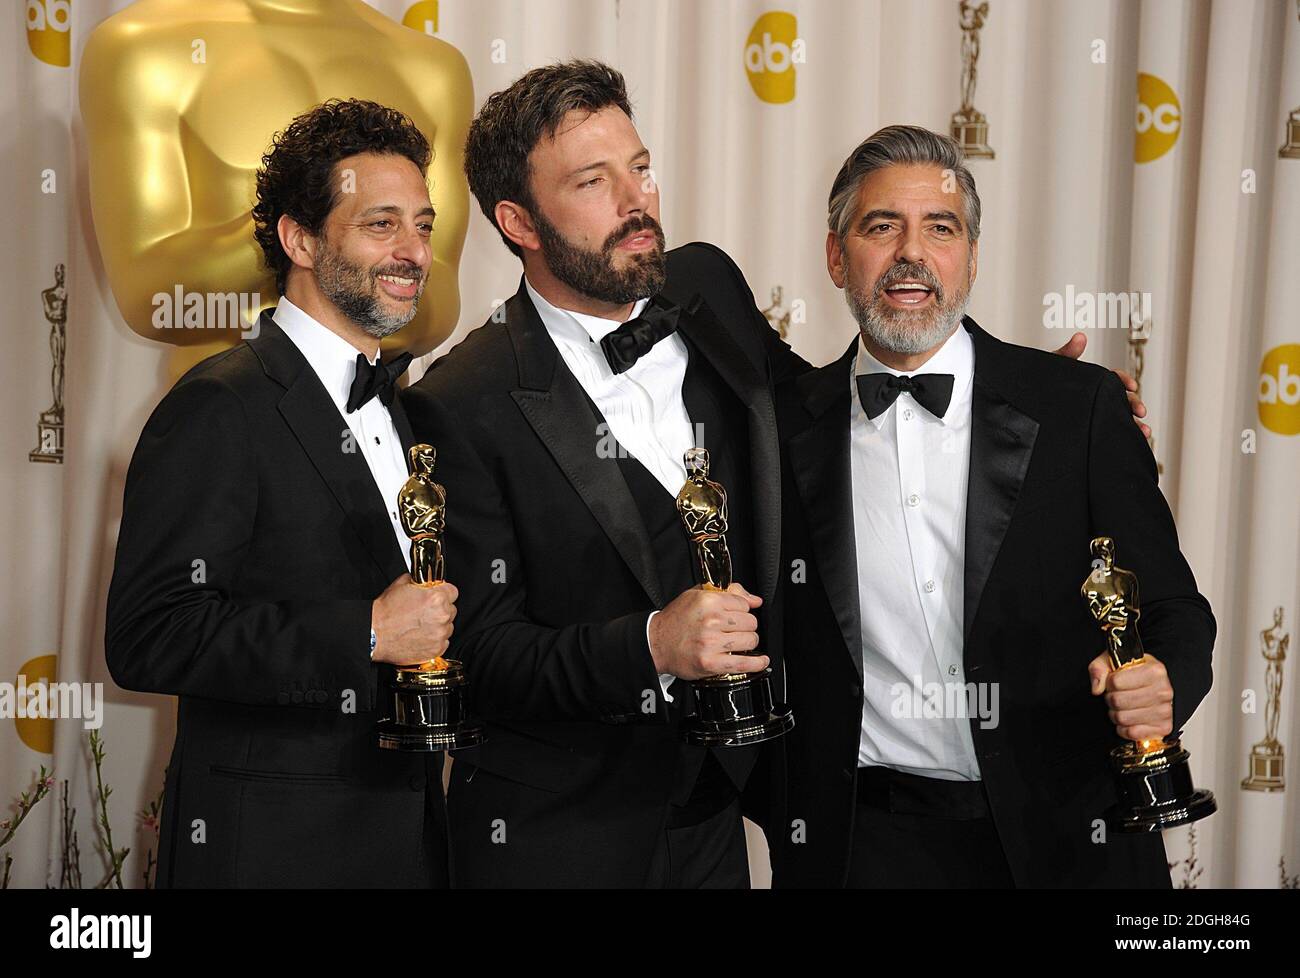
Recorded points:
(1159, 119)
(49, 30)
(422, 17)
(1279, 389)
(772, 50)
(36, 732)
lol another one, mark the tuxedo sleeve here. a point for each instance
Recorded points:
(783, 362)
(177, 620)
(1176, 623)
(518, 667)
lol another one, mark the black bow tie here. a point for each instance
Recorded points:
(878, 391)
(634, 338)
(376, 379)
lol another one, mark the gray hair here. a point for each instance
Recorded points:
(893, 146)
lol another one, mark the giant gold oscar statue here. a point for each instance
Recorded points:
(736, 708)
(181, 99)
(424, 708)
(1153, 777)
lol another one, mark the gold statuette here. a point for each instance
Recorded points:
(1153, 778)
(426, 709)
(733, 709)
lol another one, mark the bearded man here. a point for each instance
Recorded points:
(262, 574)
(941, 489)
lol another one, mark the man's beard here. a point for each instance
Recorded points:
(355, 290)
(592, 273)
(907, 331)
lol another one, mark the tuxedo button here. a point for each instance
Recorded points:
(418, 782)
(913, 500)
(929, 587)
(952, 670)
(907, 414)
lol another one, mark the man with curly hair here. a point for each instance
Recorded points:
(262, 574)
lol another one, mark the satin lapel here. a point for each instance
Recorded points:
(315, 421)
(820, 458)
(1002, 441)
(713, 341)
(403, 426)
(552, 401)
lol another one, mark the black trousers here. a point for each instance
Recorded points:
(911, 832)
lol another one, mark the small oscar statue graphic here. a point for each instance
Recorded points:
(425, 707)
(1152, 777)
(1266, 757)
(969, 127)
(49, 429)
(733, 709)
(1290, 150)
(777, 316)
(1139, 335)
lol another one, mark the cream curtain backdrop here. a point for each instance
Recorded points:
(1208, 225)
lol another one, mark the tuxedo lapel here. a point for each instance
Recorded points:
(1002, 441)
(819, 456)
(553, 403)
(315, 421)
(699, 324)
(403, 425)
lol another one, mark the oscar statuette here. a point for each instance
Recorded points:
(1152, 777)
(425, 706)
(736, 708)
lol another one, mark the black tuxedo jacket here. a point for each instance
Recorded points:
(1055, 460)
(557, 578)
(253, 541)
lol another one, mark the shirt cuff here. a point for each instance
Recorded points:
(666, 679)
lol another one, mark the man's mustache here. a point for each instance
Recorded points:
(631, 226)
(909, 272)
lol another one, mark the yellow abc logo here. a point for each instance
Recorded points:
(422, 16)
(1159, 119)
(772, 50)
(1279, 389)
(49, 31)
(36, 732)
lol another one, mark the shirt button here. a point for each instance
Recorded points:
(376, 439)
(952, 670)
(929, 587)
(907, 414)
(913, 500)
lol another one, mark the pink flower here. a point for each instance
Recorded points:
(48, 782)
(151, 823)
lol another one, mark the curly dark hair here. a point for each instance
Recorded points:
(513, 121)
(297, 173)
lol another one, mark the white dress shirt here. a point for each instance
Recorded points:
(643, 406)
(334, 361)
(909, 473)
